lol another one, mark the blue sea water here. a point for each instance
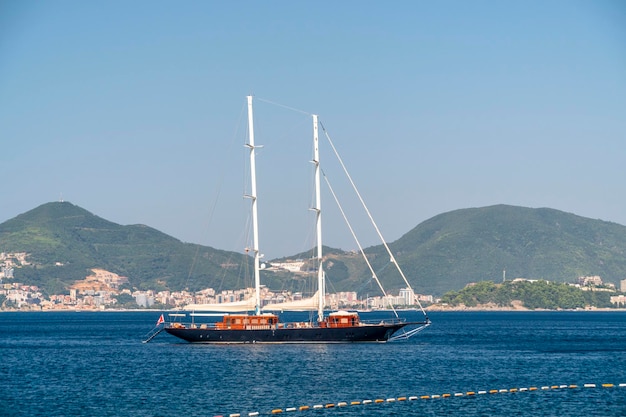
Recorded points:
(94, 364)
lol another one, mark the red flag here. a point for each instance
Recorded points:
(160, 320)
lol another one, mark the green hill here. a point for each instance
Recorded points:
(532, 295)
(65, 241)
(453, 249)
(441, 254)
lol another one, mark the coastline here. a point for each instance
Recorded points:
(437, 308)
(79, 310)
(517, 308)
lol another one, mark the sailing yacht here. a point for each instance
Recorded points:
(248, 321)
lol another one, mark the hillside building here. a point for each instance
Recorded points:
(619, 300)
(594, 280)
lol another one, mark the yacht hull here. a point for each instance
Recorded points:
(363, 333)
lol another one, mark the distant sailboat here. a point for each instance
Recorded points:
(248, 321)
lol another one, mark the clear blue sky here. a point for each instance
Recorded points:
(131, 109)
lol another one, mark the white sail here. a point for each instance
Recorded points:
(306, 304)
(231, 307)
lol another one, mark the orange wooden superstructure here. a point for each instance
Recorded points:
(341, 319)
(248, 322)
(271, 321)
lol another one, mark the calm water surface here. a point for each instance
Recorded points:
(94, 364)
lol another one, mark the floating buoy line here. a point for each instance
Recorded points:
(366, 402)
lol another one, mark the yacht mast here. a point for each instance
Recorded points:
(253, 197)
(321, 283)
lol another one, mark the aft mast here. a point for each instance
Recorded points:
(253, 197)
(321, 282)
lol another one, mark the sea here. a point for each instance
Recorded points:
(465, 364)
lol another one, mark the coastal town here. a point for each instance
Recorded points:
(104, 290)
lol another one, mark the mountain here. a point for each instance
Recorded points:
(65, 241)
(453, 249)
(441, 254)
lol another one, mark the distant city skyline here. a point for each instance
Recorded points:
(136, 111)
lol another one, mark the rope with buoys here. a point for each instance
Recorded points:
(425, 397)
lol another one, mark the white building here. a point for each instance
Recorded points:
(619, 300)
(407, 297)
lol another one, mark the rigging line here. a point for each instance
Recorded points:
(327, 282)
(370, 280)
(345, 170)
(284, 106)
(365, 284)
(213, 206)
(357, 242)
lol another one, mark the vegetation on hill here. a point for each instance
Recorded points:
(441, 254)
(533, 295)
(453, 249)
(65, 241)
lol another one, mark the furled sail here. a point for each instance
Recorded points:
(232, 307)
(306, 304)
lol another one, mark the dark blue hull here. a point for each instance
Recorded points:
(363, 333)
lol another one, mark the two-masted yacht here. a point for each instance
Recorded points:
(248, 321)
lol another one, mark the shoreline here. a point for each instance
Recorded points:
(70, 310)
(442, 309)
(429, 309)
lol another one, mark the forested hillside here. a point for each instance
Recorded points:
(441, 254)
(531, 295)
(65, 241)
(453, 249)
